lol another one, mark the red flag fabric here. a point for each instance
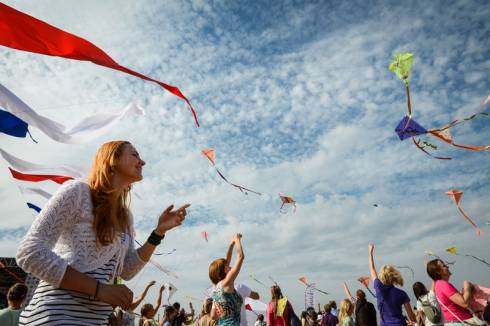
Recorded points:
(23, 32)
(59, 179)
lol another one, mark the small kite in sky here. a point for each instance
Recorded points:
(211, 156)
(171, 290)
(204, 234)
(249, 308)
(454, 251)
(401, 66)
(287, 200)
(430, 253)
(456, 195)
(364, 280)
(303, 280)
(23, 32)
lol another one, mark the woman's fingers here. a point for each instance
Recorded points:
(169, 209)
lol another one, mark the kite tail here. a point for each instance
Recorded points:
(416, 143)
(374, 295)
(477, 230)
(409, 106)
(479, 259)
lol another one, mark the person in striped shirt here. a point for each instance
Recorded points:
(83, 238)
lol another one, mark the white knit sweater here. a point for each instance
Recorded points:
(62, 235)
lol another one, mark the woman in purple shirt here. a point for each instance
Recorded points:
(390, 298)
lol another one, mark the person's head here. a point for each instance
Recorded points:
(17, 294)
(333, 304)
(117, 164)
(276, 293)
(176, 305)
(218, 270)
(115, 167)
(311, 315)
(170, 312)
(389, 275)
(260, 318)
(360, 294)
(147, 310)
(438, 270)
(207, 305)
(303, 315)
(327, 308)
(346, 309)
(419, 289)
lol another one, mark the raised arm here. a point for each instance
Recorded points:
(348, 295)
(372, 268)
(228, 282)
(142, 296)
(190, 316)
(158, 303)
(229, 252)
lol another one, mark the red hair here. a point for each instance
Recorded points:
(110, 206)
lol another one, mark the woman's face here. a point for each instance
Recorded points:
(129, 166)
(444, 270)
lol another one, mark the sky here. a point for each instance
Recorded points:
(296, 98)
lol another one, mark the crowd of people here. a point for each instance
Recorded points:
(83, 239)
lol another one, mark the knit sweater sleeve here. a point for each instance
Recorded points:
(35, 253)
(132, 262)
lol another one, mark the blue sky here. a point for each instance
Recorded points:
(295, 97)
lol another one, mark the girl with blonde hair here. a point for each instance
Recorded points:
(83, 238)
(345, 313)
(390, 298)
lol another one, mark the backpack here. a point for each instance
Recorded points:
(433, 314)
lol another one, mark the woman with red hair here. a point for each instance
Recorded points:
(227, 302)
(83, 238)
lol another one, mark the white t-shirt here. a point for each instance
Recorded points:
(245, 292)
(431, 298)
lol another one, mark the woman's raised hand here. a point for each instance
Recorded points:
(170, 218)
(371, 248)
(237, 237)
